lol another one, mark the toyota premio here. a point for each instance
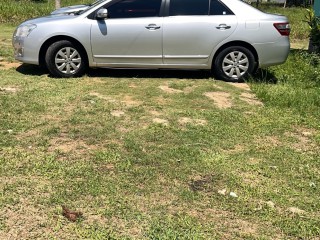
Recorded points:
(229, 37)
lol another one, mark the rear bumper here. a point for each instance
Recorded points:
(273, 53)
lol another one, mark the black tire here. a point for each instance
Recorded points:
(234, 64)
(65, 59)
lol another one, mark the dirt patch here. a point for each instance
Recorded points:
(100, 96)
(242, 86)
(250, 98)
(66, 145)
(129, 102)
(196, 122)
(9, 65)
(154, 113)
(235, 149)
(170, 90)
(9, 89)
(251, 179)
(303, 141)
(221, 99)
(268, 142)
(160, 121)
(188, 89)
(117, 113)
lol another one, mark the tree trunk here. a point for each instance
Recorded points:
(58, 4)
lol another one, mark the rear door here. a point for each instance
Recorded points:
(193, 28)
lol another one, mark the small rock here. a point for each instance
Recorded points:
(1, 59)
(10, 131)
(295, 210)
(222, 192)
(274, 167)
(312, 184)
(233, 194)
(270, 204)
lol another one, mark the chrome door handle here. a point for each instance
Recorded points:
(223, 27)
(152, 27)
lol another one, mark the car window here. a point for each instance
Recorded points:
(189, 7)
(134, 9)
(218, 8)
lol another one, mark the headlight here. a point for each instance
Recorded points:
(24, 30)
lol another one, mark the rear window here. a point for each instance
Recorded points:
(218, 8)
(198, 7)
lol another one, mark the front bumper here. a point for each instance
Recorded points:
(24, 50)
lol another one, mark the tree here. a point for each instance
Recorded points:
(58, 4)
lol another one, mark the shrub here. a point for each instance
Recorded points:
(314, 26)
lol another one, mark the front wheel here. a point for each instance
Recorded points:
(234, 64)
(65, 59)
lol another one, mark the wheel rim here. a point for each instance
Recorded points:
(68, 60)
(235, 64)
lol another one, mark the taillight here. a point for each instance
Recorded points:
(283, 28)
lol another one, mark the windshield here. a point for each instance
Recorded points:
(92, 5)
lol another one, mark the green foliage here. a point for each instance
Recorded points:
(296, 16)
(314, 26)
(20, 10)
(298, 84)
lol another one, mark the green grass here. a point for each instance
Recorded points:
(144, 154)
(16, 11)
(296, 16)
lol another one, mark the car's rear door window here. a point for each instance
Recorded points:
(134, 9)
(188, 7)
(218, 8)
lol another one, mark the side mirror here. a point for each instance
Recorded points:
(102, 13)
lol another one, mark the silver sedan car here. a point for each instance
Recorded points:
(229, 37)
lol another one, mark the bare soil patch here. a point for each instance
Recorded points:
(303, 140)
(66, 145)
(130, 102)
(242, 86)
(9, 89)
(100, 96)
(9, 65)
(196, 122)
(160, 121)
(221, 99)
(170, 90)
(250, 98)
(117, 113)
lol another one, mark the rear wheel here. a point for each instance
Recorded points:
(234, 64)
(66, 59)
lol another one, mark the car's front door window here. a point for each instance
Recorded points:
(134, 9)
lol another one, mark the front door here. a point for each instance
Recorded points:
(132, 34)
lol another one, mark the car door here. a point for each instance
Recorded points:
(193, 29)
(131, 35)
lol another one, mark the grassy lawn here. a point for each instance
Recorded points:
(159, 154)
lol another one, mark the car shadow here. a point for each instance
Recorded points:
(150, 73)
(32, 70)
(263, 75)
